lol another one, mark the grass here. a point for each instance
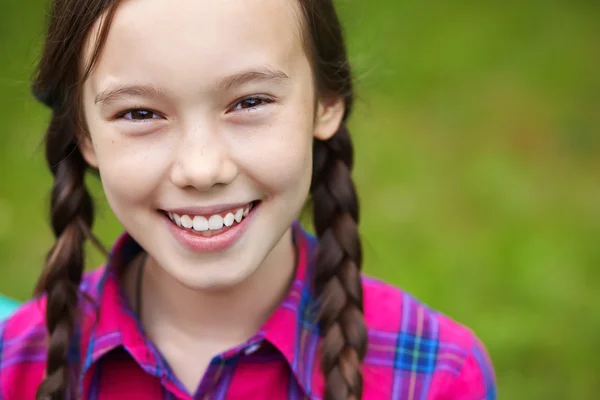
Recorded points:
(478, 151)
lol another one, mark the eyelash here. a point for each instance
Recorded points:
(262, 99)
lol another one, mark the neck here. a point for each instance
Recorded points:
(170, 309)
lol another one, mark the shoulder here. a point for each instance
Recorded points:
(23, 344)
(416, 349)
(23, 350)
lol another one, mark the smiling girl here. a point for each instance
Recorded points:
(210, 124)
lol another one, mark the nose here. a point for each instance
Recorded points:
(202, 160)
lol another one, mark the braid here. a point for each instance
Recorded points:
(72, 217)
(339, 258)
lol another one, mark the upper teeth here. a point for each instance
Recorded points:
(200, 223)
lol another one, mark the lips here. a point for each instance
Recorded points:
(205, 233)
(209, 224)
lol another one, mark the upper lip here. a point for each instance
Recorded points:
(207, 210)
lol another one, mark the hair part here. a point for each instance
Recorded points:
(338, 283)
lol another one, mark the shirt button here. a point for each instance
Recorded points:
(252, 349)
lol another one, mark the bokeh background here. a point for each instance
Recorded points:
(478, 163)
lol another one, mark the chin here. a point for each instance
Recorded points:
(217, 277)
(215, 283)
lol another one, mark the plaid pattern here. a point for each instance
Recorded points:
(414, 353)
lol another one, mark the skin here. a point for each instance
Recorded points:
(197, 145)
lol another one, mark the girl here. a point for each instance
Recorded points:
(209, 123)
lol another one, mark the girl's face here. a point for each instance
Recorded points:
(198, 112)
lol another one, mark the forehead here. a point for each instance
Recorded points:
(186, 39)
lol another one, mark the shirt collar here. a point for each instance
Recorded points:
(291, 329)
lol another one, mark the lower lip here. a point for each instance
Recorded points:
(199, 243)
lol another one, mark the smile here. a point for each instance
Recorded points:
(209, 225)
(214, 231)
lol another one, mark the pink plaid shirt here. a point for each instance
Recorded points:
(414, 352)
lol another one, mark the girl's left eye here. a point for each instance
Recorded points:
(250, 103)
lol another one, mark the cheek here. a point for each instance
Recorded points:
(279, 156)
(130, 168)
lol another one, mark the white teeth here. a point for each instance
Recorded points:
(239, 214)
(186, 221)
(200, 224)
(215, 222)
(228, 220)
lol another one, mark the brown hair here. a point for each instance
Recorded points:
(335, 204)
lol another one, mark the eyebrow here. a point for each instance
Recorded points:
(257, 75)
(114, 93)
(249, 76)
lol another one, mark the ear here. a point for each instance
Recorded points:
(86, 146)
(330, 112)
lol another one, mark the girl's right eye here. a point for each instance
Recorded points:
(138, 114)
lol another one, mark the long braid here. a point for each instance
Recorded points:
(339, 259)
(72, 218)
(57, 84)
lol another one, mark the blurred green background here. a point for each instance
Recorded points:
(478, 163)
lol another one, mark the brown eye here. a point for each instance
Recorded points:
(251, 102)
(139, 115)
